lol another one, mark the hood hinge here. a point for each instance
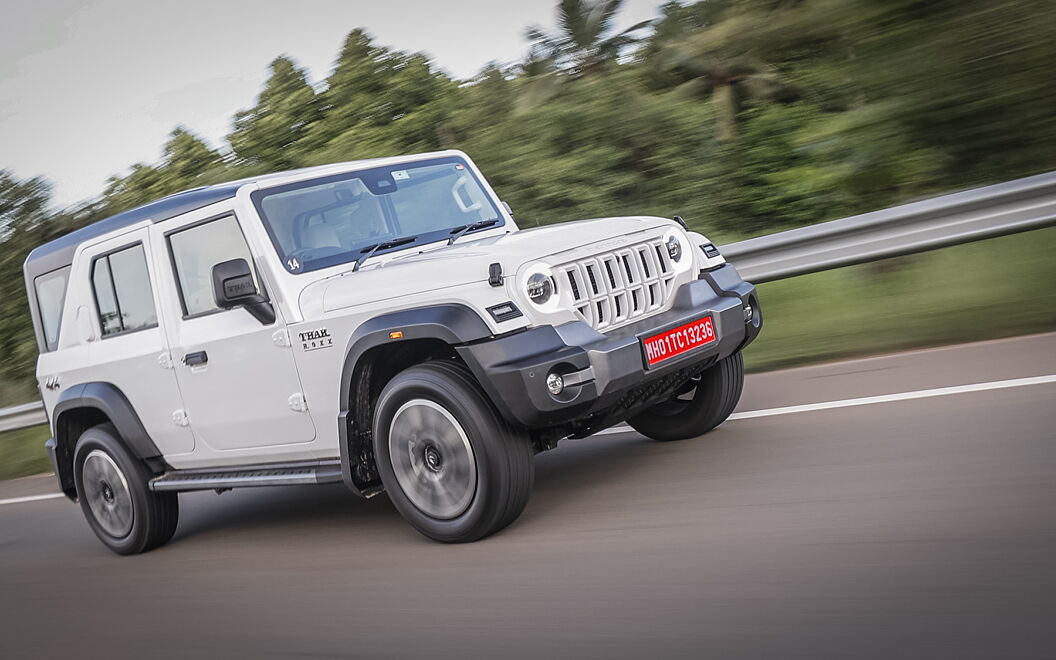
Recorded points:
(495, 274)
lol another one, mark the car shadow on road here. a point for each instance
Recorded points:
(562, 476)
(290, 507)
(579, 466)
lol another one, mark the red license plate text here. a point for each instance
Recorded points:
(679, 340)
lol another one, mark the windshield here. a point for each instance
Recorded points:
(335, 219)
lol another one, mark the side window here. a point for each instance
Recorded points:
(123, 294)
(195, 251)
(51, 295)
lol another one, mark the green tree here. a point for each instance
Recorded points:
(971, 79)
(142, 184)
(187, 157)
(585, 42)
(677, 21)
(270, 132)
(26, 220)
(742, 52)
(380, 102)
(186, 161)
(23, 204)
(356, 88)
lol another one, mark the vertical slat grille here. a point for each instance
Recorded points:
(574, 284)
(614, 288)
(593, 280)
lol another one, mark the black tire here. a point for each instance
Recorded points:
(501, 456)
(696, 412)
(152, 517)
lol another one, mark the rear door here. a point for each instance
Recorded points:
(239, 379)
(123, 340)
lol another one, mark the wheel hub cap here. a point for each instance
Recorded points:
(107, 494)
(432, 459)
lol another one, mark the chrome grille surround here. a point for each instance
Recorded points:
(611, 289)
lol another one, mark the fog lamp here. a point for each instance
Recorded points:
(555, 383)
(749, 312)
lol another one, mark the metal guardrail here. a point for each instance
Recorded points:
(963, 217)
(1006, 208)
(23, 416)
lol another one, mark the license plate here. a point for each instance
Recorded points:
(679, 341)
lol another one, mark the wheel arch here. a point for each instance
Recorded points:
(374, 356)
(90, 404)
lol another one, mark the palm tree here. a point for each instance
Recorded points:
(723, 62)
(584, 43)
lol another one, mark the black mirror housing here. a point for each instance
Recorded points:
(233, 286)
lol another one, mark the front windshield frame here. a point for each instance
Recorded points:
(258, 198)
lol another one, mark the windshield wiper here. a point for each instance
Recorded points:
(368, 252)
(459, 232)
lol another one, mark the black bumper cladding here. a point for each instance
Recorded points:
(606, 373)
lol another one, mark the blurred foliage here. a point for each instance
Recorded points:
(585, 43)
(743, 116)
(25, 222)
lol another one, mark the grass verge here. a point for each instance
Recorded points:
(995, 288)
(22, 452)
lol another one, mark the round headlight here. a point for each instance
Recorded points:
(540, 288)
(674, 249)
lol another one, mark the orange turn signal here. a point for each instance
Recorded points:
(396, 335)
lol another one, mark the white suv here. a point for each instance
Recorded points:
(383, 323)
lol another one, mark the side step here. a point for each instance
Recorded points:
(272, 474)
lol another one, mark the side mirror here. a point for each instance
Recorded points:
(233, 286)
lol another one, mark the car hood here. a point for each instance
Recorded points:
(439, 266)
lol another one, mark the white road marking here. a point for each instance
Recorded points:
(787, 410)
(883, 398)
(31, 498)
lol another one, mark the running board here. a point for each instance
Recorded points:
(274, 474)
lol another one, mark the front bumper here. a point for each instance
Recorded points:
(606, 373)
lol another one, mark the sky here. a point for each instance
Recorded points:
(87, 88)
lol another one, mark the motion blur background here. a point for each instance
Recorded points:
(744, 116)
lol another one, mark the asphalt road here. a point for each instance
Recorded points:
(916, 528)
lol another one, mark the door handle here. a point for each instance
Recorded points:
(194, 359)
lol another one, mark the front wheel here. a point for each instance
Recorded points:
(451, 465)
(703, 404)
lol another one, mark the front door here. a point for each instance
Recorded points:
(238, 377)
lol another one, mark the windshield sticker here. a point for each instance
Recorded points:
(400, 175)
(459, 166)
(294, 264)
(312, 340)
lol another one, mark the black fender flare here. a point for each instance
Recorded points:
(112, 402)
(452, 323)
(106, 399)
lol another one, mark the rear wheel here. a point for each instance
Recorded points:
(114, 496)
(703, 404)
(449, 462)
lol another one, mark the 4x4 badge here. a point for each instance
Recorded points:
(315, 339)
